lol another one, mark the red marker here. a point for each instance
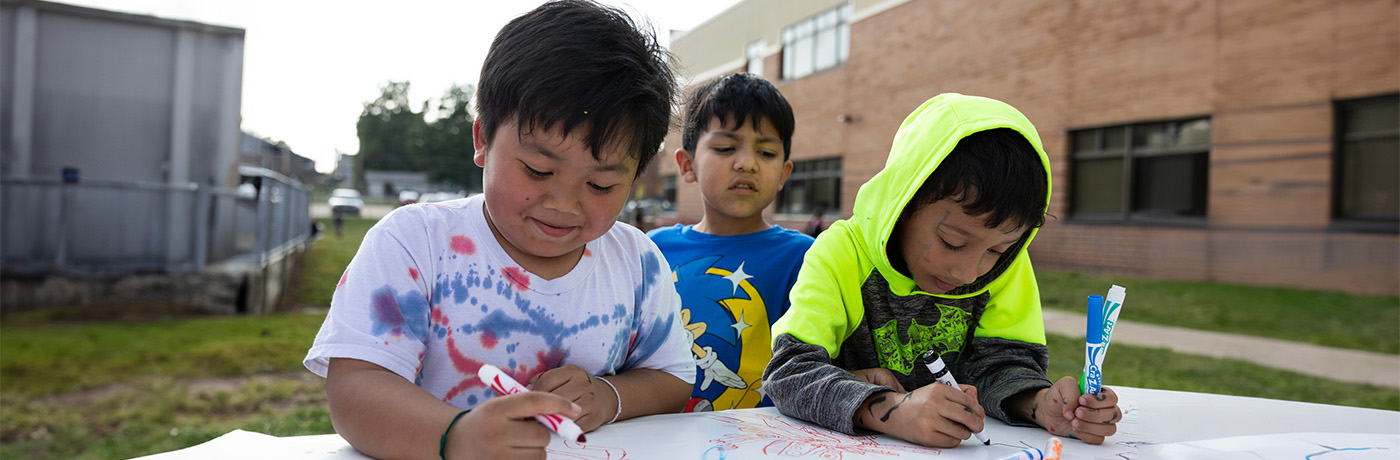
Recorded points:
(503, 384)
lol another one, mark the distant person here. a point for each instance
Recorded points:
(639, 216)
(815, 226)
(535, 276)
(933, 260)
(733, 269)
(339, 219)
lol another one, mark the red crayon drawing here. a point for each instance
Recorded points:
(579, 451)
(779, 438)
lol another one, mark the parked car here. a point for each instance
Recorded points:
(407, 197)
(346, 201)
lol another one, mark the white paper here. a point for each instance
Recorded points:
(1156, 424)
(1300, 446)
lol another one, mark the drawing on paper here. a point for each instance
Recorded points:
(579, 451)
(775, 436)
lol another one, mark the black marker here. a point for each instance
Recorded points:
(940, 372)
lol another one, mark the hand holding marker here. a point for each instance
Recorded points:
(941, 373)
(1099, 321)
(503, 384)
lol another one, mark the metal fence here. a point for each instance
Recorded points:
(116, 227)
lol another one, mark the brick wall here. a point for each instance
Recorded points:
(1266, 71)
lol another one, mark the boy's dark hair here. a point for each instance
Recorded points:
(575, 62)
(742, 96)
(1003, 169)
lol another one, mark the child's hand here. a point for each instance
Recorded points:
(577, 385)
(879, 376)
(1089, 417)
(934, 415)
(505, 427)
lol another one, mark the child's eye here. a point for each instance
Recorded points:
(601, 189)
(723, 149)
(535, 173)
(949, 246)
(768, 154)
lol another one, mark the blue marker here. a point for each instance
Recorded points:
(1093, 346)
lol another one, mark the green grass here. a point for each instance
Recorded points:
(47, 359)
(83, 389)
(1370, 323)
(1163, 369)
(157, 414)
(323, 264)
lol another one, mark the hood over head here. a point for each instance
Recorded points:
(924, 139)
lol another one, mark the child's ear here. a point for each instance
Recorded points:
(479, 141)
(686, 162)
(787, 171)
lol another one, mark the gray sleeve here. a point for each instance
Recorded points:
(1002, 368)
(803, 383)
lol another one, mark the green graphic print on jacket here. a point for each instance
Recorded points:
(947, 335)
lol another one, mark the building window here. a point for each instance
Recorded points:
(1368, 156)
(1140, 172)
(814, 185)
(817, 43)
(668, 191)
(754, 54)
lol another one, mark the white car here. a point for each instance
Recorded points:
(346, 201)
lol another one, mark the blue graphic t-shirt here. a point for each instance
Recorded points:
(432, 296)
(732, 290)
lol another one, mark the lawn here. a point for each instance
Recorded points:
(1370, 323)
(132, 387)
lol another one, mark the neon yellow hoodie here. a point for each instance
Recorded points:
(852, 310)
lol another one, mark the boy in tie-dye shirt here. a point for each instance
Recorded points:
(533, 276)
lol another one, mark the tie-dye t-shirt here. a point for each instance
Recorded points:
(432, 296)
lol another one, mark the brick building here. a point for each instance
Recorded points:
(1240, 141)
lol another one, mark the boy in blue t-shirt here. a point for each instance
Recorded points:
(733, 269)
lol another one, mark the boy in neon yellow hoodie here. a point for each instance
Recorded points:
(933, 259)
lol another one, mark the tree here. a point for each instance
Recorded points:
(389, 131)
(447, 148)
(393, 137)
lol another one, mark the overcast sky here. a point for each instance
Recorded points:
(309, 65)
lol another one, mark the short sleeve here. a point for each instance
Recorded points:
(659, 341)
(380, 310)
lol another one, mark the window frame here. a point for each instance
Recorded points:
(803, 40)
(1340, 220)
(825, 168)
(669, 185)
(1129, 210)
(754, 53)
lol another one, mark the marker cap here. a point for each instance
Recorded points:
(934, 362)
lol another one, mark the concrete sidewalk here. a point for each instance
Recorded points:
(1327, 362)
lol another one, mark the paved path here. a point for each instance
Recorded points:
(1328, 362)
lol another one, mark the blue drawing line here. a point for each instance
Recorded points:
(722, 453)
(1334, 449)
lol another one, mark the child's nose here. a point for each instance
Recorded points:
(745, 160)
(562, 202)
(964, 270)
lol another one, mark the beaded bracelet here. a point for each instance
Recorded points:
(442, 448)
(616, 395)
